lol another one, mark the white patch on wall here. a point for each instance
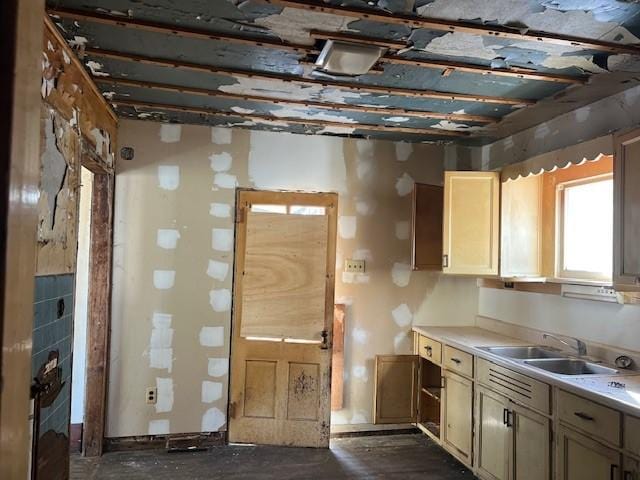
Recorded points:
(404, 185)
(363, 208)
(167, 238)
(211, 391)
(158, 427)
(164, 402)
(164, 279)
(222, 239)
(221, 162)
(402, 315)
(213, 420)
(161, 358)
(220, 300)
(220, 210)
(360, 372)
(402, 344)
(221, 136)
(353, 277)
(362, 254)
(225, 180)
(160, 351)
(218, 367)
(168, 177)
(347, 226)
(403, 151)
(161, 320)
(582, 114)
(360, 335)
(541, 131)
(402, 230)
(401, 274)
(212, 336)
(217, 270)
(170, 132)
(275, 162)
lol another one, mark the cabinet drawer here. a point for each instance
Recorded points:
(430, 349)
(458, 361)
(515, 386)
(632, 434)
(593, 418)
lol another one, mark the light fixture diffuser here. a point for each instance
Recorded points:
(345, 58)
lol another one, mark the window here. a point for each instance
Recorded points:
(585, 229)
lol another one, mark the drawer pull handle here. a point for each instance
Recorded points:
(584, 416)
(506, 417)
(456, 361)
(429, 350)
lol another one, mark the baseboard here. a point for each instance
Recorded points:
(75, 437)
(364, 430)
(174, 442)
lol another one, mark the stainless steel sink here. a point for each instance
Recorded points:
(522, 353)
(570, 366)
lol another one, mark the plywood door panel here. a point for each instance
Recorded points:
(626, 175)
(531, 457)
(426, 223)
(396, 389)
(580, 458)
(458, 416)
(471, 223)
(493, 442)
(260, 389)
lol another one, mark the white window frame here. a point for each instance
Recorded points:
(560, 272)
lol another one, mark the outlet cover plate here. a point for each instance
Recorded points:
(151, 395)
(354, 266)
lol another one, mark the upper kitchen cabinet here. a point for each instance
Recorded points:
(471, 223)
(426, 227)
(626, 248)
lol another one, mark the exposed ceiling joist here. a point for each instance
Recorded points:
(346, 86)
(305, 50)
(336, 107)
(436, 24)
(286, 120)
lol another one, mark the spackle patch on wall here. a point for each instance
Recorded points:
(221, 136)
(402, 315)
(404, 185)
(167, 238)
(402, 230)
(164, 401)
(360, 335)
(362, 254)
(218, 270)
(211, 391)
(212, 336)
(168, 177)
(222, 239)
(161, 358)
(164, 279)
(160, 351)
(365, 207)
(347, 226)
(220, 300)
(170, 132)
(225, 180)
(218, 367)
(401, 274)
(220, 210)
(221, 162)
(403, 151)
(213, 420)
(360, 372)
(158, 427)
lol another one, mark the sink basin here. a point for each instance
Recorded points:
(521, 353)
(570, 366)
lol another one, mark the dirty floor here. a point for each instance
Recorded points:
(374, 457)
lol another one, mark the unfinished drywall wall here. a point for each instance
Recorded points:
(173, 262)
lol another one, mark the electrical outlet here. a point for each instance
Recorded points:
(354, 266)
(151, 395)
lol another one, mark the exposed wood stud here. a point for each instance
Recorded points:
(447, 71)
(291, 121)
(352, 38)
(337, 107)
(352, 87)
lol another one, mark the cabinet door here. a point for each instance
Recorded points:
(580, 458)
(426, 227)
(626, 193)
(396, 389)
(531, 457)
(631, 469)
(493, 436)
(458, 416)
(471, 223)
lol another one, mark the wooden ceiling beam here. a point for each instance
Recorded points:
(305, 50)
(345, 86)
(290, 121)
(414, 21)
(332, 106)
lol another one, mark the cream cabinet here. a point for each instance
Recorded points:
(626, 191)
(531, 445)
(492, 435)
(578, 457)
(471, 223)
(457, 433)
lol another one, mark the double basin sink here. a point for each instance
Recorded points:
(551, 360)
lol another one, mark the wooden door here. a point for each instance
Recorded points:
(626, 218)
(580, 458)
(426, 227)
(631, 468)
(493, 435)
(282, 318)
(396, 389)
(458, 416)
(531, 455)
(471, 223)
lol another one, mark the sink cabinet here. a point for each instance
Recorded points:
(581, 458)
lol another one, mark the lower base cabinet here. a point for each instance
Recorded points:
(580, 458)
(457, 432)
(493, 435)
(631, 469)
(531, 450)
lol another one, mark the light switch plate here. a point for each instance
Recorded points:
(151, 395)
(354, 266)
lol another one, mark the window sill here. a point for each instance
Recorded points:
(575, 281)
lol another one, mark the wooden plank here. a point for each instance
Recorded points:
(21, 56)
(337, 359)
(98, 314)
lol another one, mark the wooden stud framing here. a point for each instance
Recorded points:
(337, 107)
(291, 121)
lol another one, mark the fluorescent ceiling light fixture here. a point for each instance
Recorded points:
(345, 58)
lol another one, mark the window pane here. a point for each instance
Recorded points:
(306, 210)
(588, 228)
(264, 208)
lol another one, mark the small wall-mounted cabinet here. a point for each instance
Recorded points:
(426, 227)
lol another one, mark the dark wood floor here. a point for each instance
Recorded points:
(375, 457)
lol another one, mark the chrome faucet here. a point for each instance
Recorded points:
(580, 347)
